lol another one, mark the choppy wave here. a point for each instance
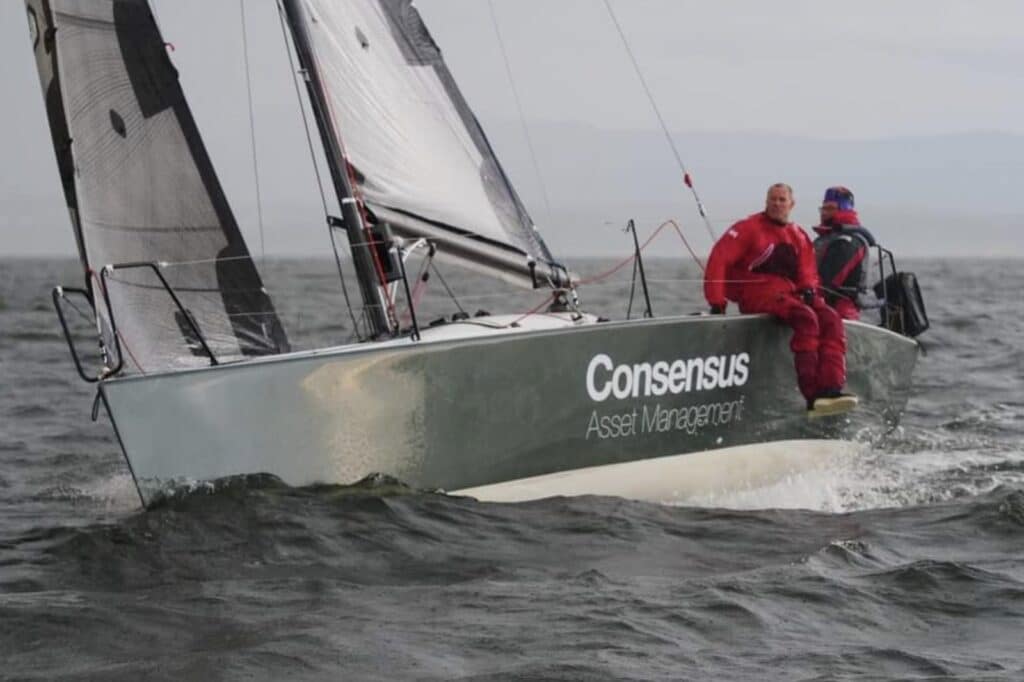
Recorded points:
(900, 559)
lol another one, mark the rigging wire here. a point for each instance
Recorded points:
(519, 108)
(81, 313)
(252, 134)
(316, 171)
(451, 294)
(612, 283)
(687, 180)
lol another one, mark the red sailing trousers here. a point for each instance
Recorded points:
(819, 338)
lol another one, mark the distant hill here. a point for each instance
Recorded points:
(953, 195)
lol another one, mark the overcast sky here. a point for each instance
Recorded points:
(809, 68)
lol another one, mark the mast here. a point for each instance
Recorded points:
(359, 237)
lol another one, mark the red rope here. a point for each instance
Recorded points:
(533, 311)
(626, 261)
(618, 266)
(632, 257)
(688, 247)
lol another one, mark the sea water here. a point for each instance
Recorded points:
(901, 560)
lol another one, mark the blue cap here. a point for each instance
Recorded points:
(840, 196)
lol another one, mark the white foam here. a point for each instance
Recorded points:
(116, 493)
(723, 474)
(866, 478)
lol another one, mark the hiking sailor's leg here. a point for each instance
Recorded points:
(831, 348)
(804, 344)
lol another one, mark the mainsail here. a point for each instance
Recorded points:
(417, 155)
(141, 188)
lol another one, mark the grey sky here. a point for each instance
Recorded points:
(829, 71)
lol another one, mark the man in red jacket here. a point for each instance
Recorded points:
(766, 264)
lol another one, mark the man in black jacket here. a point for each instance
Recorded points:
(842, 250)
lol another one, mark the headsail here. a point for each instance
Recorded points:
(418, 156)
(141, 188)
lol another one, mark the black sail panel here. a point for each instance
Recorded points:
(40, 24)
(141, 188)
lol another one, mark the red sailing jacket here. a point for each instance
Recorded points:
(759, 258)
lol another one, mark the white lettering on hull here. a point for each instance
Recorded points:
(645, 379)
(689, 419)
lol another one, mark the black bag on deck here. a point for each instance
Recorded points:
(903, 311)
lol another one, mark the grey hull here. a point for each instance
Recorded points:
(460, 413)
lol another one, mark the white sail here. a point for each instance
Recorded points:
(417, 156)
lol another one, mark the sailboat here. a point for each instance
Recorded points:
(199, 378)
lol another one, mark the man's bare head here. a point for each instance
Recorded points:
(779, 202)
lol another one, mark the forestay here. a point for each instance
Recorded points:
(141, 187)
(416, 153)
